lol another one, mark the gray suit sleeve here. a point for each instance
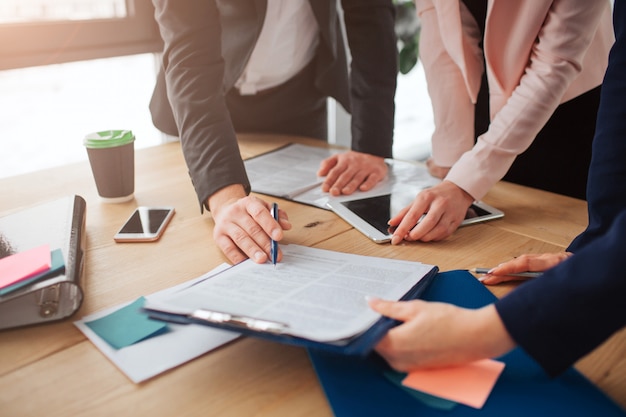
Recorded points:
(194, 75)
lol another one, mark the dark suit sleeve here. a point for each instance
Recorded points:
(575, 306)
(373, 72)
(606, 189)
(194, 74)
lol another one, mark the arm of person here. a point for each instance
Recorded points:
(555, 60)
(572, 308)
(373, 73)
(438, 334)
(453, 83)
(556, 318)
(244, 225)
(578, 304)
(539, 92)
(194, 73)
(444, 205)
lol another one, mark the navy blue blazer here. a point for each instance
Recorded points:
(575, 306)
(207, 44)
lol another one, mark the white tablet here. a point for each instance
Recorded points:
(370, 215)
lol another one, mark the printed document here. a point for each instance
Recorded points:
(290, 172)
(319, 294)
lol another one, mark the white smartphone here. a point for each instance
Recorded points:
(370, 215)
(146, 224)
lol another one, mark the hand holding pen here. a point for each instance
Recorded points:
(524, 274)
(523, 267)
(489, 277)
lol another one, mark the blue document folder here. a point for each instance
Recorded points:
(358, 386)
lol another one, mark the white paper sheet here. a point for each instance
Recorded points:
(319, 294)
(155, 355)
(287, 171)
(290, 172)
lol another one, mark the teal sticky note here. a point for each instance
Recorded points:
(57, 267)
(127, 326)
(427, 399)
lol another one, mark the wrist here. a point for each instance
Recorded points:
(464, 195)
(495, 339)
(225, 196)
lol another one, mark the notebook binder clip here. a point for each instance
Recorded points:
(49, 300)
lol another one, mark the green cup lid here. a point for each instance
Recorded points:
(108, 138)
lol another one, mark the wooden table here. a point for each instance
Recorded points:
(53, 370)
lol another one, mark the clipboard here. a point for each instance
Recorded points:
(358, 345)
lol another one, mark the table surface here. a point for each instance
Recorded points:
(54, 370)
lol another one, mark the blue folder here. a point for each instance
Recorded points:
(358, 387)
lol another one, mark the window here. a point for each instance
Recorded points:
(56, 87)
(43, 32)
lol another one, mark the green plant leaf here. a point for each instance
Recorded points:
(408, 59)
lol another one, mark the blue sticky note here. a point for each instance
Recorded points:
(127, 326)
(427, 399)
(57, 267)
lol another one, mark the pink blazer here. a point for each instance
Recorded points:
(538, 54)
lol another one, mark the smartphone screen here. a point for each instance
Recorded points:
(145, 224)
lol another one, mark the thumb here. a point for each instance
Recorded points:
(398, 310)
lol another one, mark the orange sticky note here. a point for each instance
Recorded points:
(468, 384)
(22, 265)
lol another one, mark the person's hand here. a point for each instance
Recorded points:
(244, 225)
(436, 170)
(349, 171)
(439, 334)
(439, 211)
(523, 263)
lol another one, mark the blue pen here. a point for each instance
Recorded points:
(273, 243)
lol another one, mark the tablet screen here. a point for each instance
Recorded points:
(376, 211)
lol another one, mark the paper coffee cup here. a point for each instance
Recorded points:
(112, 158)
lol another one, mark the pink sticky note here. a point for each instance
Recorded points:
(22, 265)
(468, 384)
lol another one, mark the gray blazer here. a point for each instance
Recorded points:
(207, 44)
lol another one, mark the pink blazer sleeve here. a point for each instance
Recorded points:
(520, 106)
(451, 85)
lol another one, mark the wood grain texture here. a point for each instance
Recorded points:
(54, 370)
